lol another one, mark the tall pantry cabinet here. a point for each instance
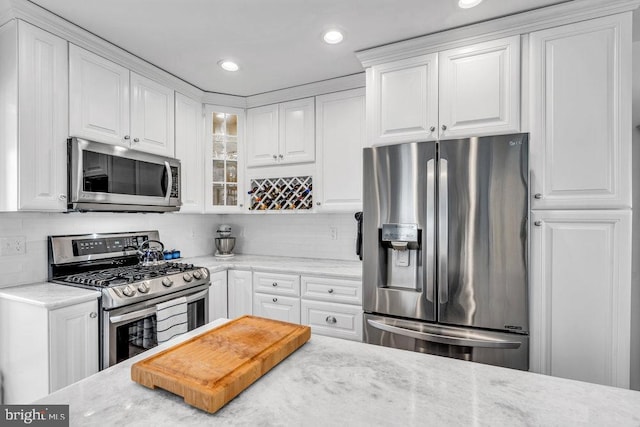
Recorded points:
(581, 200)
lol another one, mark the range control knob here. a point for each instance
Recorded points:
(129, 291)
(143, 287)
(187, 277)
(197, 275)
(167, 282)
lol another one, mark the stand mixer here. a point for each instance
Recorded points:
(224, 242)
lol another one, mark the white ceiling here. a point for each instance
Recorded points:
(277, 43)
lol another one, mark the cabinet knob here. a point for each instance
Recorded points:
(444, 127)
(62, 197)
(274, 284)
(93, 314)
(275, 157)
(318, 203)
(136, 140)
(127, 137)
(432, 129)
(330, 291)
(331, 320)
(281, 156)
(240, 205)
(275, 300)
(538, 223)
(537, 196)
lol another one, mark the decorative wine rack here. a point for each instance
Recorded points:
(272, 194)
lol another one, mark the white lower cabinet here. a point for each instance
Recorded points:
(43, 350)
(218, 296)
(273, 306)
(580, 295)
(336, 320)
(239, 293)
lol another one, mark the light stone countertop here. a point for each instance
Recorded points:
(312, 266)
(329, 382)
(48, 295)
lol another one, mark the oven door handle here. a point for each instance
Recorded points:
(151, 310)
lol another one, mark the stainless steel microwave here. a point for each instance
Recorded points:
(104, 177)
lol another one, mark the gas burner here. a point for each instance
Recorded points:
(127, 274)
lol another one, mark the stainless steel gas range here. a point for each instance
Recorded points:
(131, 289)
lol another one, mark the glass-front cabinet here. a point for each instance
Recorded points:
(223, 179)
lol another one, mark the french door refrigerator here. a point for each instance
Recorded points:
(445, 229)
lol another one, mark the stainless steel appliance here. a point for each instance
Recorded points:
(103, 177)
(131, 290)
(224, 243)
(445, 248)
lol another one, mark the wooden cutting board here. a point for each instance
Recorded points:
(212, 368)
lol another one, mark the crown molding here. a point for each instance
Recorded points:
(235, 101)
(322, 87)
(521, 23)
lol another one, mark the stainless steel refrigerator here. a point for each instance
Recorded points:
(444, 237)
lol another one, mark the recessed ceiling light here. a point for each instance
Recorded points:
(333, 37)
(228, 65)
(466, 4)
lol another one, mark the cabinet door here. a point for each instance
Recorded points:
(340, 137)
(189, 149)
(262, 136)
(297, 131)
(275, 283)
(480, 89)
(239, 293)
(286, 309)
(43, 119)
(98, 98)
(580, 291)
(580, 115)
(218, 296)
(152, 116)
(404, 100)
(73, 337)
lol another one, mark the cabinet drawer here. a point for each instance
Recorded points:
(334, 320)
(286, 309)
(274, 283)
(333, 290)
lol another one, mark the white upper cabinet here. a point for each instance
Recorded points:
(469, 91)
(403, 100)
(100, 94)
(98, 98)
(281, 133)
(480, 89)
(189, 149)
(580, 294)
(340, 137)
(580, 115)
(152, 116)
(33, 119)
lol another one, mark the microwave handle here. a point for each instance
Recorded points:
(167, 196)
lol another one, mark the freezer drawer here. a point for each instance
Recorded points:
(492, 348)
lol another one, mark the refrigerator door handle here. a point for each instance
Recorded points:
(469, 341)
(431, 229)
(443, 233)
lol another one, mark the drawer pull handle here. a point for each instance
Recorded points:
(275, 300)
(274, 284)
(330, 291)
(331, 320)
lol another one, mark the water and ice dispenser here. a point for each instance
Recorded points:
(402, 243)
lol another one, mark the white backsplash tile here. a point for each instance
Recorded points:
(295, 235)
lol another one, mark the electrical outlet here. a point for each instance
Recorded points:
(333, 231)
(11, 246)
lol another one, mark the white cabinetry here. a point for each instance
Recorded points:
(99, 101)
(33, 119)
(281, 133)
(44, 350)
(340, 137)
(468, 91)
(276, 296)
(189, 149)
(239, 293)
(581, 115)
(580, 292)
(218, 296)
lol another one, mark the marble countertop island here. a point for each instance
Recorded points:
(329, 381)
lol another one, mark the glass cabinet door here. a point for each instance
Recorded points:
(223, 131)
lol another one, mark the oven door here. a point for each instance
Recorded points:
(109, 177)
(129, 331)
